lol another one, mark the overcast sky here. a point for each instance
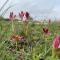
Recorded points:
(38, 8)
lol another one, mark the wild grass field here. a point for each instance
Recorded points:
(33, 45)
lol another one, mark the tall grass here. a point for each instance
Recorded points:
(34, 49)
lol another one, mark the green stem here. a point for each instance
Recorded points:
(45, 48)
(12, 26)
(16, 45)
(45, 45)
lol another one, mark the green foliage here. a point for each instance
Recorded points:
(35, 47)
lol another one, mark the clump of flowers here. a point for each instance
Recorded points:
(56, 42)
(46, 35)
(56, 46)
(21, 15)
(24, 16)
(25, 19)
(27, 15)
(18, 40)
(11, 18)
(46, 31)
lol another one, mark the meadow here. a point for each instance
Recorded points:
(33, 46)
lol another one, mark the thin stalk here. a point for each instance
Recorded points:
(27, 30)
(25, 27)
(45, 45)
(45, 48)
(12, 26)
(16, 45)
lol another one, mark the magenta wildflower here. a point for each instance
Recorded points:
(46, 31)
(27, 15)
(56, 42)
(21, 15)
(12, 16)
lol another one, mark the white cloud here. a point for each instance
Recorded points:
(38, 8)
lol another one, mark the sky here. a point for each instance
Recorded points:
(38, 9)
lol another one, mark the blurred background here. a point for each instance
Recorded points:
(39, 9)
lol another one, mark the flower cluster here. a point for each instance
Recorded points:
(24, 16)
(46, 31)
(56, 42)
(18, 38)
(12, 16)
(21, 15)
